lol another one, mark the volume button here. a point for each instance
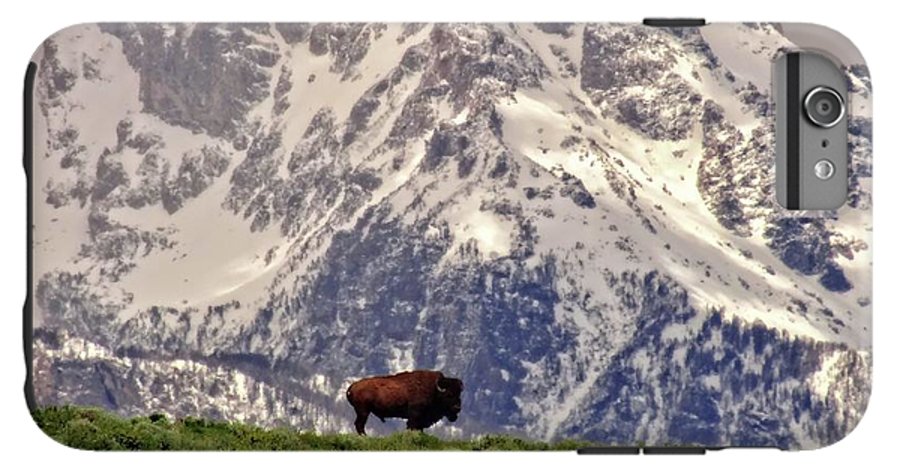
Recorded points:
(674, 22)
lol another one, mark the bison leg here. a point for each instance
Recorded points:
(360, 423)
(413, 425)
(414, 422)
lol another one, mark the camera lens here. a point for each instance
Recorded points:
(824, 106)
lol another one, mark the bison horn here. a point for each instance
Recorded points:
(439, 389)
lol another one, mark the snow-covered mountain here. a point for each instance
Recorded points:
(236, 221)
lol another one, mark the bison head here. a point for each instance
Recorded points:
(448, 392)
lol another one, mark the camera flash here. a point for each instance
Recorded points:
(824, 169)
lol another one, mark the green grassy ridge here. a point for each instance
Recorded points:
(96, 429)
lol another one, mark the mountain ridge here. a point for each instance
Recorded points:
(495, 200)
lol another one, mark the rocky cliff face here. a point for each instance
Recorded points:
(577, 220)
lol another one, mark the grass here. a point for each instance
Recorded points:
(96, 429)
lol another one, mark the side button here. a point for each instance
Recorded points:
(674, 22)
(610, 450)
(675, 450)
(28, 103)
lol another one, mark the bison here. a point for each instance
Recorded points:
(422, 397)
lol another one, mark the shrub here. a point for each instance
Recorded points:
(95, 429)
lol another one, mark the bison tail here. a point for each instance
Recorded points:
(350, 393)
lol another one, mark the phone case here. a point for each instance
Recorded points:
(569, 230)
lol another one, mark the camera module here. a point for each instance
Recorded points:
(824, 106)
